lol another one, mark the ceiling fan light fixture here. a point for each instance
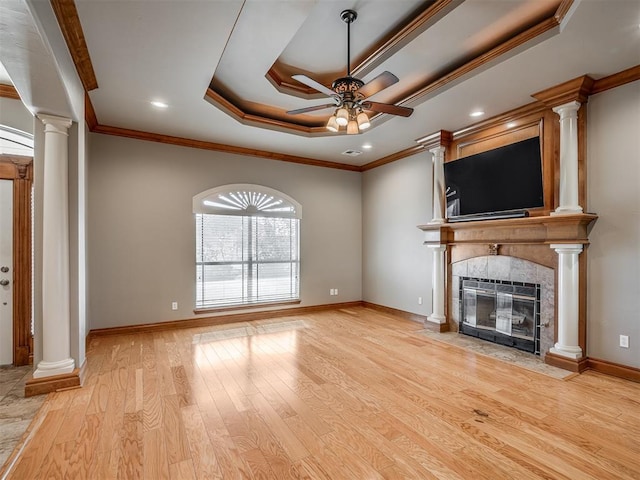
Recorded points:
(363, 121)
(342, 116)
(332, 124)
(352, 127)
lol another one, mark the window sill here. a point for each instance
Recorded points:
(229, 308)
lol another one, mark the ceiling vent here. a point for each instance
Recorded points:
(352, 153)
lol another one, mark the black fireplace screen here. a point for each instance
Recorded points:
(503, 312)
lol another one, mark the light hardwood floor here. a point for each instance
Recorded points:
(346, 394)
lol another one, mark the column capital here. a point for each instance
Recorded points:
(437, 248)
(54, 123)
(567, 109)
(567, 247)
(439, 151)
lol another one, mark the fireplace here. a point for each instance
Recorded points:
(501, 311)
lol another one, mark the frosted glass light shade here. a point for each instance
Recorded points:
(363, 121)
(352, 127)
(342, 117)
(332, 124)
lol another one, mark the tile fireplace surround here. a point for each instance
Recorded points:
(528, 250)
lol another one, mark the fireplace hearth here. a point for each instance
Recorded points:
(501, 311)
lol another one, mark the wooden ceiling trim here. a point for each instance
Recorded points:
(394, 157)
(69, 21)
(397, 40)
(435, 11)
(9, 91)
(616, 80)
(577, 89)
(257, 120)
(89, 113)
(219, 147)
(482, 60)
(417, 23)
(441, 138)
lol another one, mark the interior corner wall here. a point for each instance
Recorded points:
(141, 228)
(397, 267)
(613, 193)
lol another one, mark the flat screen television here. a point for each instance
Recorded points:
(506, 179)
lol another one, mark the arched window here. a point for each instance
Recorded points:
(247, 246)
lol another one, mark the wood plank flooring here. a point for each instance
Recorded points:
(346, 394)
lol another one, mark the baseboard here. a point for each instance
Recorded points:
(436, 327)
(217, 320)
(394, 311)
(577, 366)
(614, 369)
(39, 386)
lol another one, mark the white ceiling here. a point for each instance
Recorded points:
(171, 50)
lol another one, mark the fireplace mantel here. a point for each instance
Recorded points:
(549, 240)
(528, 230)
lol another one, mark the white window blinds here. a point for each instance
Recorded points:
(246, 258)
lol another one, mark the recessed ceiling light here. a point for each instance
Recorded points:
(158, 104)
(511, 124)
(476, 113)
(367, 146)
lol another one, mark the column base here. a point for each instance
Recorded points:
(40, 386)
(572, 210)
(573, 353)
(577, 365)
(436, 323)
(437, 221)
(49, 369)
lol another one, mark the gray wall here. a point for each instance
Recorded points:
(396, 265)
(613, 176)
(141, 244)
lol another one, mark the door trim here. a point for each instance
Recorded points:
(20, 170)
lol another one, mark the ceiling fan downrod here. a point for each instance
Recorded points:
(348, 17)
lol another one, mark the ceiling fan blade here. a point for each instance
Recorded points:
(387, 108)
(310, 82)
(311, 109)
(382, 81)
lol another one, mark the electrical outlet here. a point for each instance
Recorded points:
(174, 305)
(624, 341)
(419, 300)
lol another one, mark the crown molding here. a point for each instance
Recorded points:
(575, 90)
(9, 91)
(616, 80)
(219, 147)
(69, 21)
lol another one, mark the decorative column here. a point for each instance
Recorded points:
(568, 159)
(56, 357)
(568, 301)
(439, 202)
(438, 286)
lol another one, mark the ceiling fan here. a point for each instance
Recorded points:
(350, 95)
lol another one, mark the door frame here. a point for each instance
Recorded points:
(20, 170)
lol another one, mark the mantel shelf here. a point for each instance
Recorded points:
(528, 230)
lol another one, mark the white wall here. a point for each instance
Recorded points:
(14, 114)
(396, 265)
(141, 229)
(613, 189)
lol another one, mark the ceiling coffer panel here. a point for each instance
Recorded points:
(274, 84)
